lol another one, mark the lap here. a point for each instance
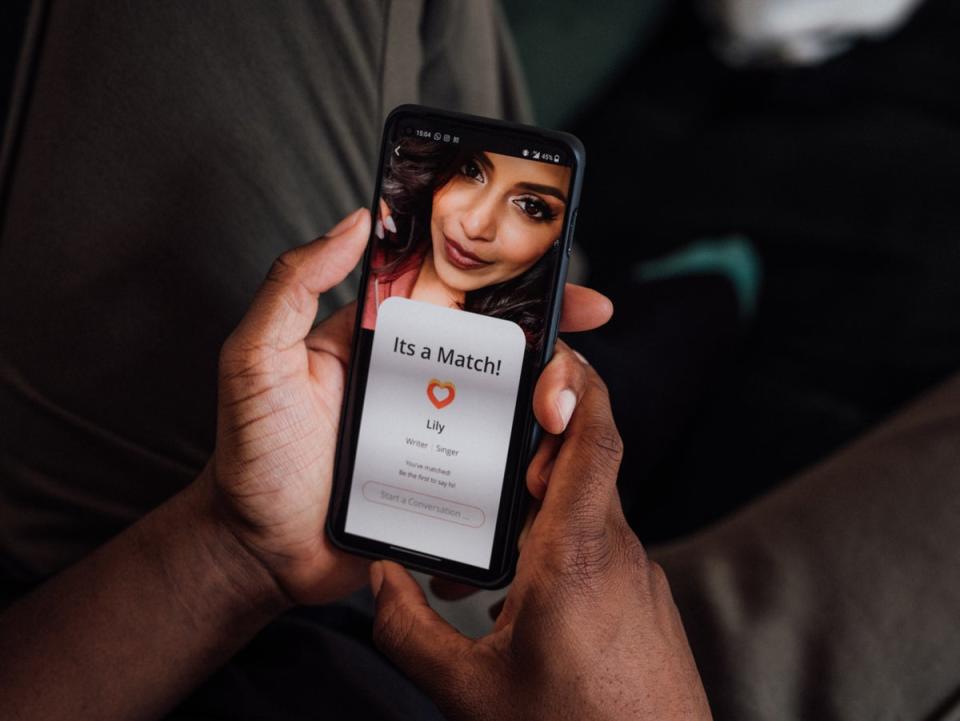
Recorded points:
(836, 596)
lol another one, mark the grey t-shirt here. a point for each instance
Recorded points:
(163, 155)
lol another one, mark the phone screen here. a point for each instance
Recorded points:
(457, 317)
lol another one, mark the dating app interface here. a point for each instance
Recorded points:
(435, 430)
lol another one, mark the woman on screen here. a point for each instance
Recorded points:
(470, 230)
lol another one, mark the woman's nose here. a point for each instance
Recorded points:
(479, 221)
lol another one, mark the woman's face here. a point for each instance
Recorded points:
(495, 218)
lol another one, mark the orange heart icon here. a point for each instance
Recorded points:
(447, 399)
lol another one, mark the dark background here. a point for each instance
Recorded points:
(841, 179)
(13, 17)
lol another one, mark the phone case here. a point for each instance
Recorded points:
(512, 510)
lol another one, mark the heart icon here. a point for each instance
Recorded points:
(441, 393)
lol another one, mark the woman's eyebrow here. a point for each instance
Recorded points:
(485, 161)
(544, 189)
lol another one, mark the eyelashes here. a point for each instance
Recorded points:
(472, 170)
(532, 206)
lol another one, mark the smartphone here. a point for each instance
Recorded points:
(457, 315)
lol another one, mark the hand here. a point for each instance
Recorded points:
(385, 223)
(588, 629)
(280, 390)
(280, 394)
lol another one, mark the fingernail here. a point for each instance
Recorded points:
(582, 359)
(346, 223)
(376, 577)
(389, 224)
(378, 229)
(566, 402)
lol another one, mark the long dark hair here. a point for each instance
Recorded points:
(415, 170)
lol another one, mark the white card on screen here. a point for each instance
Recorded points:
(435, 429)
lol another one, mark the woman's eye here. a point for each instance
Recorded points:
(472, 170)
(535, 208)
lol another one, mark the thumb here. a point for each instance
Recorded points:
(414, 636)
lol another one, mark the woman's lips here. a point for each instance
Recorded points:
(461, 258)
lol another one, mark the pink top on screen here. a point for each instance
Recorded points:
(397, 282)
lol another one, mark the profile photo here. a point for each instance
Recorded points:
(468, 229)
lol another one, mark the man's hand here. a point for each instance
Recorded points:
(127, 631)
(280, 390)
(588, 630)
(280, 393)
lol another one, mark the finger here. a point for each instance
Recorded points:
(558, 389)
(538, 473)
(584, 474)
(285, 307)
(449, 590)
(583, 309)
(384, 221)
(412, 634)
(528, 524)
(496, 609)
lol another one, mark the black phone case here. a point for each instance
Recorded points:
(502, 572)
